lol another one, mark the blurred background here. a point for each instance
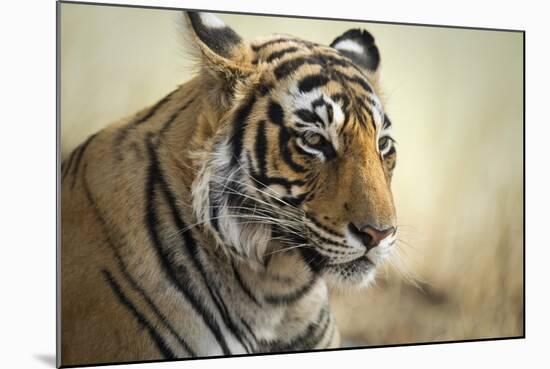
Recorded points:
(455, 97)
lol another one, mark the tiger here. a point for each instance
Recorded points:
(216, 221)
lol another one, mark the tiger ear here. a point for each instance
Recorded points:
(359, 46)
(222, 50)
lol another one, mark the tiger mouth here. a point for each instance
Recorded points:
(361, 262)
(353, 269)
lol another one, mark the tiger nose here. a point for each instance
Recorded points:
(369, 235)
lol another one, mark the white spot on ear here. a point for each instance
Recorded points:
(211, 21)
(349, 45)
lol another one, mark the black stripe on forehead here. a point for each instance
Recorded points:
(270, 42)
(310, 82)
(322, 102)
(280, 53)
(352, 99)
(324, 60)
(261, 46)
(357, 79)
(361, 111)
(342, 99)
(308, 116)
(311, 116)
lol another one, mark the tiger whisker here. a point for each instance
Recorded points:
(246, 208)
(289, 248)
(264, 185)
(241, 166)
(260, 220)
(403, 242)
(278, 209)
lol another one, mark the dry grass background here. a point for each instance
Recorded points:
(455, 97)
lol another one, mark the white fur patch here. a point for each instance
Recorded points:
(349, 45)
(211, 189)
(211, 21)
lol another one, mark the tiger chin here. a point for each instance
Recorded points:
(210, 223)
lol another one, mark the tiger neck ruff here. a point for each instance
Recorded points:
(212, 222)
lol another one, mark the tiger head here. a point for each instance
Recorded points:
(301, 154)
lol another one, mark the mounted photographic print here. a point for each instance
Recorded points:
(236, 184)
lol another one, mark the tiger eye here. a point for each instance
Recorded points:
(383, 142)
(313, 139)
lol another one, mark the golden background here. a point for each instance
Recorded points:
(455, 97)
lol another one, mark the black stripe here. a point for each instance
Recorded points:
(275, 113)
(318, 102)
(318, 330)
(308, 339)
(267, 181)
(272, 42)
(153, 110)
(261, 148)
(166, 126)
(239, 126)
(295, 200)
(292, 297)
(387, 122)
(355, 79)
(126, 273)
(124, 131)
(214, 213)
(330, 112)
(343, 99)
(322, 226)
(289, 66)
(244, 286)
(314, 187)
(313, 81)
(167, 259)
(326, 240)
(191, 247)
(264, 88)
(250, 331)
(315, 332)
(308, 116)
(79, 158)
(284, 139)
(164, 320)
(362, 106)
(280, 53)
(155, 336)
(313, 258)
